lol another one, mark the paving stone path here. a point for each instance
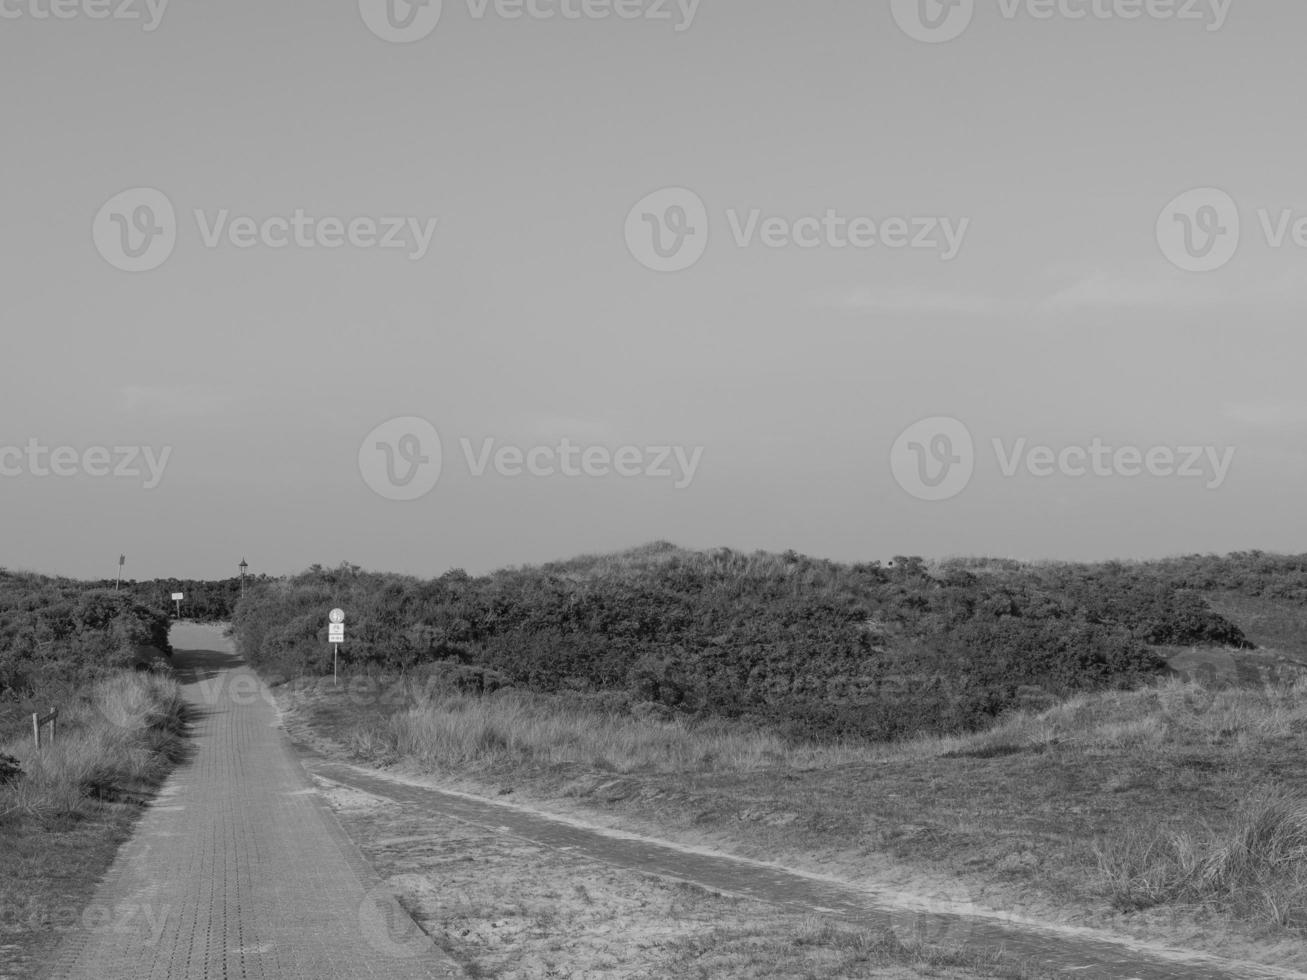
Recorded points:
(238, 870)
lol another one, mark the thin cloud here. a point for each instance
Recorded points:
(1101, 291)
(1107, 291)
(907, 300)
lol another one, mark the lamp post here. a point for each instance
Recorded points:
(243, 566)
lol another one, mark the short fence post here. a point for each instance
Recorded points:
(38, 721)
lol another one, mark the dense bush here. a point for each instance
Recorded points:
(1250, 573)
(814, 648)
(204, 602)
(60, 632)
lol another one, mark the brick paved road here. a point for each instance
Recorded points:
(237, 871)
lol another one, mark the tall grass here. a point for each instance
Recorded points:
(116, 738)
(454, 730)
(1251, 862)
(1173, 713)
(1256, 867)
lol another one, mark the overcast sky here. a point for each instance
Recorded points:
(1036, 290)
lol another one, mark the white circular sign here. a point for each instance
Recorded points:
(337, 615)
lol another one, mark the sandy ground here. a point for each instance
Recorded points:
(512, 909)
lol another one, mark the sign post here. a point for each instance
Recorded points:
(177, 598)
(335, 636)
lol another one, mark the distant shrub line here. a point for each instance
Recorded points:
(811, 648)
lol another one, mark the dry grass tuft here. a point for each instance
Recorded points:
(457, 730)
(118, 737)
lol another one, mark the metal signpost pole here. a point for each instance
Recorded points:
(335, 636)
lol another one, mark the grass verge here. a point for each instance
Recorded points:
(63, 818)
(1174, 814)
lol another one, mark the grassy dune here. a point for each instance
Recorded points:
(1109, 808)
(63, 818)
(116, 740)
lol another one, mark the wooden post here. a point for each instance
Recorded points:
(38, 721)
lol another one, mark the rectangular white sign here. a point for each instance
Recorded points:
(336, 632)
(178, 596)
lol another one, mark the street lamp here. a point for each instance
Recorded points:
(244, 565)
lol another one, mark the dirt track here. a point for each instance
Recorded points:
(1087, 953)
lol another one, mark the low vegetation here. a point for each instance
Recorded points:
(826, 949)
(1107, 808)
(456, 730)
(116, 739)
(57, 635)
(66, 807)
(810, 649)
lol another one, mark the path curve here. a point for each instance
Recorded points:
(1081, 952)
(238, 869)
